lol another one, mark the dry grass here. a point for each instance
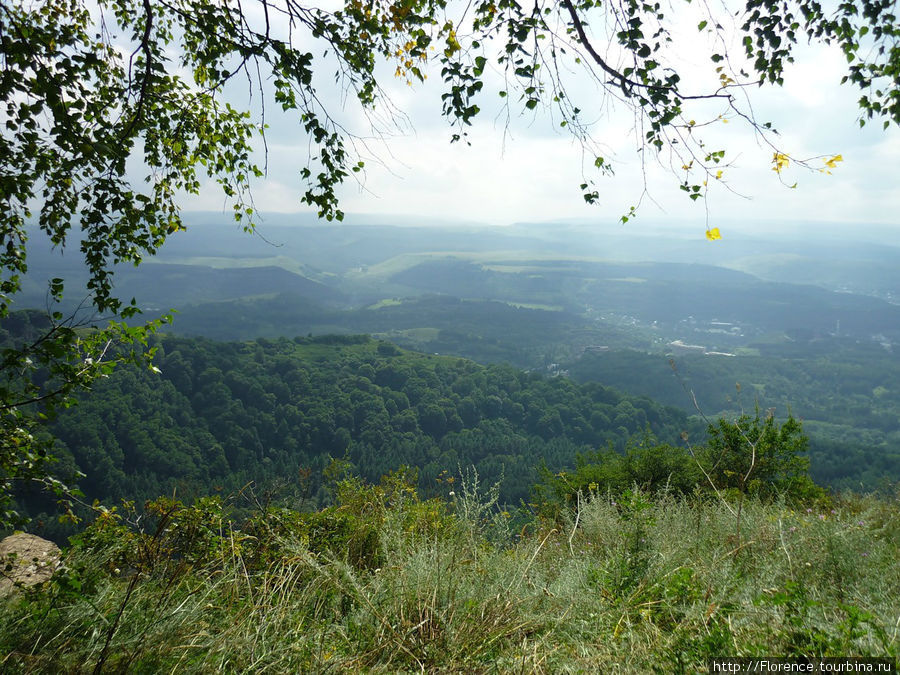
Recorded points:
(636, 585)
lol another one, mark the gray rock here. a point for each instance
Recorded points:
(26, 560)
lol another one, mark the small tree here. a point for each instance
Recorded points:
(646, 465)
(758, 456)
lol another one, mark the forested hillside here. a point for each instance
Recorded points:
(842, 387)
(845, 393)
(220, 415)
(486, 331)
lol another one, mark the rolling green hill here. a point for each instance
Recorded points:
(221, 415)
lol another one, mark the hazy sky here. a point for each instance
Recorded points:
(527, 169)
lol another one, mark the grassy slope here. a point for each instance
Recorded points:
(637, 586)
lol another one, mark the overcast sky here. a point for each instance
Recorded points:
(530, 170)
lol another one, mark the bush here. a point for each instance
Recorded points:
(646, 465)
(760, 457)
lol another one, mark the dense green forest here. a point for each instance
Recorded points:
(221, 415)
(846, 394)
(842, 388)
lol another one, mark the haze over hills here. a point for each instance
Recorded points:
(807, 324)
(336, 253)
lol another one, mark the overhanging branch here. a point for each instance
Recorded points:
(621, 81)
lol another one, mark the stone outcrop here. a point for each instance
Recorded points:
(26, 559)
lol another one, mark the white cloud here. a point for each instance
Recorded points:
(535, 174)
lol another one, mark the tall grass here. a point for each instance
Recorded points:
(628, 583)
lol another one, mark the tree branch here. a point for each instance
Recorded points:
(624, 83)
(144, 46)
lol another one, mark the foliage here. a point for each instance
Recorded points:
(640, 585)
(841, 390)
(746, 456)
(43, 362)
(645, 465)
(219, 416)
(759, 456)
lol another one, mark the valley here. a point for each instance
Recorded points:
(653, 315)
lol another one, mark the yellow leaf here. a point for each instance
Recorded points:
(713, 234)
(719, 174)
(832, 163)
(781, 161)
(452, 43)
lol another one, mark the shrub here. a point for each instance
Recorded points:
(651, 467)
(760, 457)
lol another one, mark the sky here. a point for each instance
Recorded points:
(524, 168)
